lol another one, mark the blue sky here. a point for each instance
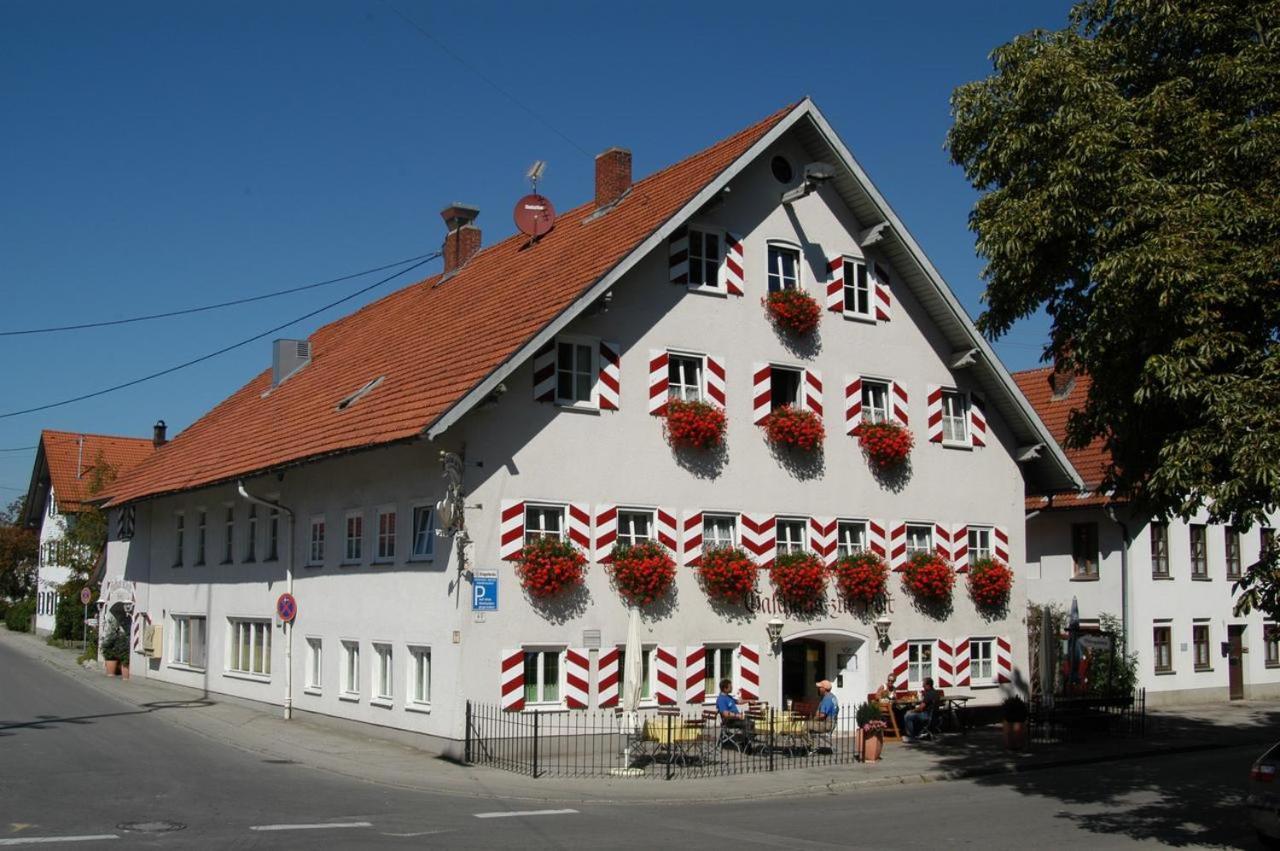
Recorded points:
(156, 156)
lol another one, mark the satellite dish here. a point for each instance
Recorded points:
(534, 215)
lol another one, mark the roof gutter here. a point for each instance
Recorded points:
(288, 567)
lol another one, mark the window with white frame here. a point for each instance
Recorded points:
(542, 676)
(684, 378)
(189, 641)
(919, 662)
(875, 401)
(315, 664)
(646, 671)
(791, 535)
(384, 687)
(719, 666)
(351, 668)
(543, 521)
(634, 527)
(250, 646)
(386, 534)
(704, 259)
(919, 539)
(315, 550)
(229, 536)
(851, 537)
(784, 387)
(719, 531)
(784, 268)
(979, 543)
(251, 545)
(420, 675)
(857, 288)
(179, 537)
(424, 532)
(354, 544)
(202, 529)
(575, 372)
(273, 534)
(955, 417)
(981, 661)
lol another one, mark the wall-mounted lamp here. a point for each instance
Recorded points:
(882, 630)
(774, 628)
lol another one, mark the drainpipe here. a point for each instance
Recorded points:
(1124, 574)
(288, 568)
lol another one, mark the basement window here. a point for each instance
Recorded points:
(359, 394)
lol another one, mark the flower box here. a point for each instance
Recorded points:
(794, 427)
(990, 582)
(801, 580)
(793, 310)
(642, 573)
(697, 425)
(928, 578)
(549, 567)
(887, 445)
(728, 575)
(861, 578)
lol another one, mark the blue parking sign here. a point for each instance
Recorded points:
(484, 594)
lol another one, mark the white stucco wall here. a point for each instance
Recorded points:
(49, 574)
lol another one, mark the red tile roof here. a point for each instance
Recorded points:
(1092, 461)
(71, 457)
(430, 342)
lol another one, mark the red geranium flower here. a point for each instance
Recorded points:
(801, 579)
(861, 578)
(548, 567)
(699, 425)
(728, 575)
(885, 444)
(990, 582)
(928, 578)
(643, 572)
(793, 310)
(788, 426)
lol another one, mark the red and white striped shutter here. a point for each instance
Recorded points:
(835, 284)
(944, 663)
(897, 546)
(748, 672)
(876, 540)
(734, 266)
(610, 376)
(659, 377)
(1000, 544)
(610, 677)
(760, 537)
(511, 531)
(960, 661)
(579, 526)
(695, 673)
(577, 678)
(960, 548)
(977, 420)
(852, 404)
(667, 529)
(666, 685)
(691, 539)
(943, 544)
(678, 256)
(813, 391)
(899, 403)
(544, 373)
(883, 301)
(933, 413)
(900, 659)
(822, 538)
(1004, 660)
(715, 378)
(761, 392)
(512, 680)
(606, 531)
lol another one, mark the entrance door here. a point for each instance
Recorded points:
(847, 671)
(1235, 662)
(804, 662)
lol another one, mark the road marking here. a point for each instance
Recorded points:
(44, 840)
(526, 813)
(324, 826)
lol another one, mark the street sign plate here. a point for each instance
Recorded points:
(90, 621)
(484, 594)
(286, 608)
(86, 594)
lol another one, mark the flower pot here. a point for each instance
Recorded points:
(1015, 735)
(112, 667)
(871, 747)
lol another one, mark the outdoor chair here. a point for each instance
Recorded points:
(819, 739)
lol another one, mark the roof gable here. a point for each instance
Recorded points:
(66, 461)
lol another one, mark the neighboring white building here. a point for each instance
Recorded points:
(61, 481)
(1169, 583)
(538, 363)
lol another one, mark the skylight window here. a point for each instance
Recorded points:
(359, 394)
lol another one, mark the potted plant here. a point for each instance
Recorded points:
(548, 567)
(115, 650)
(990, 582)
(1015, 722)
(871, 726)
(642, 572)
(696, 425)
(801, 580)
(794, 427)
(886, 445)
(728, 575)
(928, 578)
(861, 578)
(793, 310)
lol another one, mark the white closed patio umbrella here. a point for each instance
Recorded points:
(632, 671)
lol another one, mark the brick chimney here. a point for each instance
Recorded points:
(613, 176)
(463, 238)
(158, 438)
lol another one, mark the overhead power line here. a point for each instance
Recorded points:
(18, 449)
(222, 351)
(189, 310)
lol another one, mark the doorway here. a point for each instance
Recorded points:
(1235, 661)
(838, 657)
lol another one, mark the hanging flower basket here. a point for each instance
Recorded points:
(793, 310)
(549, 567)
(928, 578)
(801, 580)
(643, 572)
(697, 425)
(728, 575)
(887, 445)
(990, 582)
(794, 427)
(861, 578)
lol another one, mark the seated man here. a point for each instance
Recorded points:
(727, 707)
(917, 720)
(824, 719)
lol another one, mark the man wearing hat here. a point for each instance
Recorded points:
(824, 719)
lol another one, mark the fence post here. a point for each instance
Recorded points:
(466, 748)
(536, 713)
(670, 746)
(771, 721)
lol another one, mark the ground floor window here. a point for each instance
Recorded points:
(189, 640)
(1271, 640)
(420, 675)
(1200, 638)
(351, 668)
(919, 662)
(1163, 646)
(542, 676)
(646, 672)
(315, 663)
(719, 667)
(384, 686)
(250, 651)
(980, 661)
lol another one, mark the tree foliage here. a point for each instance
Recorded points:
(19, 550)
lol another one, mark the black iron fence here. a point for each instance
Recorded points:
(654, 743)
(1074, 719)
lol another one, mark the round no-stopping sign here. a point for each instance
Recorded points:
(86, 594)
(286, 608)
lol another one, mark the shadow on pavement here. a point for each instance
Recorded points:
(45, 722)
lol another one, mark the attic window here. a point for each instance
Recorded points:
(782, 171)
(359, 394)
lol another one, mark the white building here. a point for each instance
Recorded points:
(538, 362)
(1168, 583)
(61, 481)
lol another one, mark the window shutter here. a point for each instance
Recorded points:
(1000, 544)
(760, 537)
(606, 532)
(512, 528)
(666, 684)
(882, 299)
(715, 380)
(609, 679)
(933, 412)
(678, 256)
(577, 676)
(835, 284)
(943, 544)
(659, 377)
(609, 378)
(761, 392)
(667, 530)
(695, 672)
(512, 680)
(960, 548)
(977, 420)
(579, 526)
(960, 662)
(734, 274)
(852, 404)
(748, 672)
(897, 546)
(691, 539)
(900, 659)
(876, 538)
(944, 663)
(899, 403)
(1004, 660)
(822, 538)
(544, 373)
(813, 391)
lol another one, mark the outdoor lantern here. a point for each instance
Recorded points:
(882, 630)
(774, 628)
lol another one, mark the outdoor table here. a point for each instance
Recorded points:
(788, 730)
(954, 709)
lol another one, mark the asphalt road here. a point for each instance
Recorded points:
(87, 771)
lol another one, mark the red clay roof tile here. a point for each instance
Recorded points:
(71, 462)
(1092, 461)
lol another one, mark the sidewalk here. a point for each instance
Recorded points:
(374, 755)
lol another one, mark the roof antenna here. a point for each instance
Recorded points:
(535, 173)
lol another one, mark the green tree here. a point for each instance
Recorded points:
(19, 552)
(1128, 167)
